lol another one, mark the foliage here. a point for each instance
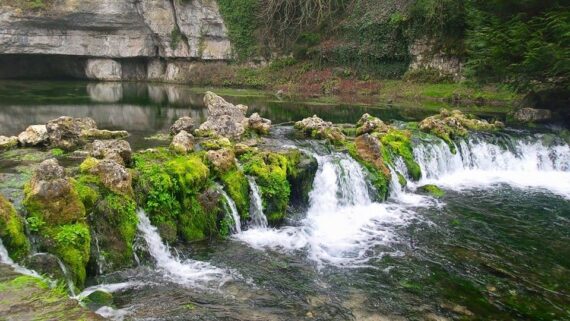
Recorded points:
(524, 43)
(240, 18)
(72, 244)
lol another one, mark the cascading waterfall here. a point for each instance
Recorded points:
(232, 210)
(5, 259)
(343, 224)
(485, 160)
(187, 272)
(258, 218)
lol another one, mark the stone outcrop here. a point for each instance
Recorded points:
(315, 127)
(228, 120)
(426, 55)
(108, 37)
(112, 175)
(69, 133)
(221, 159)
(34, 135)
(182, 143)
(368, 124)
(183, 123)
(117, 150)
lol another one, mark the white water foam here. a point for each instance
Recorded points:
(258, 218)
(478, 163)
(233, 211)
(343, 225)
(185, 272)
(5, 258)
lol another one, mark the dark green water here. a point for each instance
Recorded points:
(492, 252)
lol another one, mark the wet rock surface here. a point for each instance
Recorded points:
(34, 135)
(117, 150)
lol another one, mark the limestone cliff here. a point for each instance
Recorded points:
(114, 39)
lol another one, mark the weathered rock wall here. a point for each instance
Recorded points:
(426, 55)
(104, 35)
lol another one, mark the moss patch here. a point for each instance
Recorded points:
(399, 143)
(12, 231)
(432, 190)
(237, 186)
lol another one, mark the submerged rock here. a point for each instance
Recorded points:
(182, 143)
(224, 119)
(259, 125)
(432, 190)
(532, 115)
(8, 142)
(315, 127)
(183, 123)
(117, 150)
(34, 135)
(12, 231)
(98, 299)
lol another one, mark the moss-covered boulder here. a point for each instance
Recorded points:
(182, 143)
(236, 185)
(98, 299)
(370, 153)
(369, 124)
(56, 215)
(8, 142)
(451, 125)
(221, 160)
(215, 143)
(432, 190)
(315, 127)
(399, 144)
(301, 172)
(111, 174)
(168, 187)
(12, 231)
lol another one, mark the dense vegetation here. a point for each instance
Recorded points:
(522, 43)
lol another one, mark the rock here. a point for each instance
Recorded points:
(432, 190)
(369, 148)
(65, 132)
(113, 176)
(532, 115)
(8, 142)
(98, 299)
(12, 231)
(117, 150)
(182, 143)
(104, 134)
(317, 128)
(183, 123)
(215, 143)
(241, 149)
(224, 119)
(104, 69)
(302, 177)
(259, 125)
(34, 135)
(368, 124)
(45, 264)
(51, 197)
(222, 159)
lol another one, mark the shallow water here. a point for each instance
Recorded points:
(495, 247)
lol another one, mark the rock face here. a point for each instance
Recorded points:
(224, 119)
(182, 143)
(528, 115)
(183, 123)
(117, 150)
(34, 135)
(110, 31)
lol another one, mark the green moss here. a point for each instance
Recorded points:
(377, 178)
(87, 194)
(12, 231)
(270, 171)
(432, 190)
(122, 218)
(71, 243)
(66, 208)
(190, 172)
(57, 152)
(216, 143)
(242, 21)
(237, 186)
(88, 164)
(98, 299)
(194, 223)
(399, 143)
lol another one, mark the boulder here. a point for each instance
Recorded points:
(65, 132)
(182, 143)
(368, 124)
(315, 127)
(113, 176)
(117, 150)
(51, 196)
(34, 135)
(259, 125)
(224, 119)
(45, 264)
(8, 142)
(183, 123)
(222, 160)
(532, 115)
(369, 148)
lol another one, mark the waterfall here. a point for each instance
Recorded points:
(258, 218)
(186, 272)
(483, 160)
(343, 225)
(233, 211)
(5, 259)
